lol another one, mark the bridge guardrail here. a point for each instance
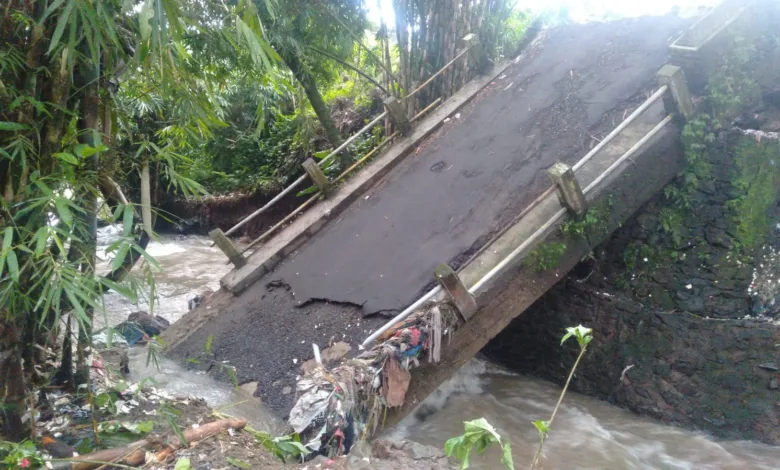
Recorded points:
(472, 46)
(677, 100)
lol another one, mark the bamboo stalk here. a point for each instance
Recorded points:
(146, 197)
(427, 82)
(350, 66)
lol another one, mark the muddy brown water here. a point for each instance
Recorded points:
(587, 433)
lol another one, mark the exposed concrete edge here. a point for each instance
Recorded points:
(303, 228)
(501, 246)
(708, 27)
(521, 286)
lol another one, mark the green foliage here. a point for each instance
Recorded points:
(756, 181)
(637, 253)
(582, 334)
(237, 462)
(672, 225)
(697, 136)
(511, 32)
(731, 88)
(171, 416)
(478, 434)
(546, 255)
(286, 448)
(182, 464)
(594, 222)
(20, 455)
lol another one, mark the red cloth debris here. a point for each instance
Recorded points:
(396, 383)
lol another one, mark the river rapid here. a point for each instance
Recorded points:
(587, 433)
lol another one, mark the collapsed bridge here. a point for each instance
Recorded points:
(595, 107)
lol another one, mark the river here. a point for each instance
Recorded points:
(587, 433)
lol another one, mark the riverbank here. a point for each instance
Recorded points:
(604, 435)
(683, 302)
(141, 425)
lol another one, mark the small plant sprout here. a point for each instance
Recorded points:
(583, 336)
(480, 434)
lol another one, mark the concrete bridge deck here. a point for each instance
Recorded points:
(461, 186)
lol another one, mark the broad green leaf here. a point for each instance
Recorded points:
(237, 462)
(118, 210)
(67, 157)
(145, 427)
(452, 444)
(506, 456)
(149, 259)
(144, 17)
(580, 332)
(81, 314)
(44, 189)
(124, 291)
(484, 442)
(85, 151)
(542, 426)
(116, 263)
(114, 245)
(62, 21)
(569, 334)
(62, 210)
(128, 220)
(13, 265)
(463, 455)
(12, 126)
(8, 238)
(182, 464)
(481, 425)
(56, 4)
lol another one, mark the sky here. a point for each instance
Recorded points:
(579, 10)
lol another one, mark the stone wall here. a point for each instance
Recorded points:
(686, 318)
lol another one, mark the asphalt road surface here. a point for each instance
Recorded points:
(442, 202)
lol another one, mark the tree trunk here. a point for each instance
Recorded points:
(87, 247)
(64, 376)
(11, 382)
(315, 98)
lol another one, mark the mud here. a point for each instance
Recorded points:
(462, 185)
(191, 216)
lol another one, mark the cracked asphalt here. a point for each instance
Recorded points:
(442, 203)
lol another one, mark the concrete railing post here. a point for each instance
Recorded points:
(456, 290)
(317, 176)
(678, 101)
(227, 247)
(569, 191)
(396, 111)
(477, 56)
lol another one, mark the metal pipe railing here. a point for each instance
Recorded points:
(555, 218)
(626, 122)
(340, 177)
(432, 77)
(301, 179)
(341, 147)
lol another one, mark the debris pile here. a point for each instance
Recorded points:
(336, 407)
(764, 287)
